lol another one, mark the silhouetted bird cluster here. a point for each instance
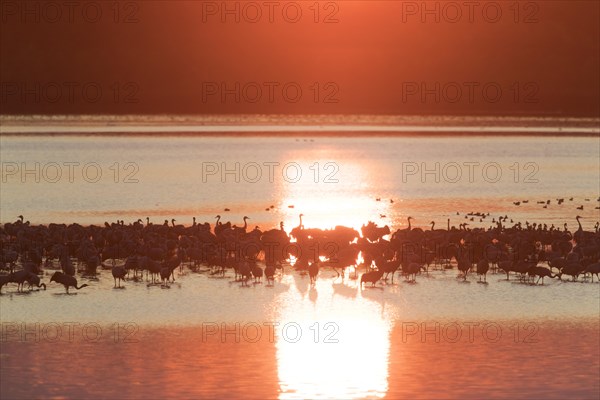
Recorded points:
(530, 252)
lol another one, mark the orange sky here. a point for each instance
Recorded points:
(378, 58)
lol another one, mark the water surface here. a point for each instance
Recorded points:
(330, 180)
(354, 343)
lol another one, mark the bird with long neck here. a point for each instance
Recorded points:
(578, 235)
(66, 280)
(19, 278)
(242, 230)
(402, 232)
(34, 280)
(297, 231)
(432, 223)
(220, 227)
(540, 272)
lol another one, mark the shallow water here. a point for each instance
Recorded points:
(198, 297)
(211, 337)
(171, 177)
(180, 363)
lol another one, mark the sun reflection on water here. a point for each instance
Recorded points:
(332, 341)
(331, 349)
(326, 205)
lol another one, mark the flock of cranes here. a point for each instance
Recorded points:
(531, 253)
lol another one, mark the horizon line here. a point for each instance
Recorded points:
(330, 128)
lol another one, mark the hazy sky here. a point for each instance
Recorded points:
(371, 57)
